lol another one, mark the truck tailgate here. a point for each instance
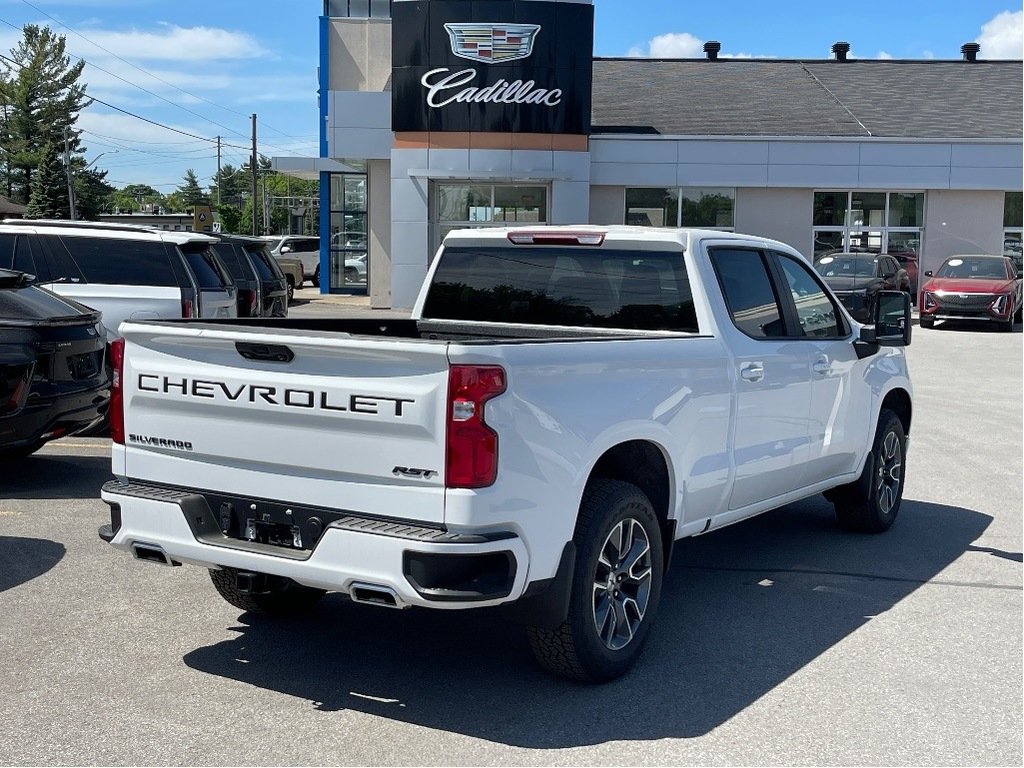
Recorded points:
(325, 420)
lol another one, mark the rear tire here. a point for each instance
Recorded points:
(316, 277)
(285, 598)
(872, 502)
(291, 289)
(615, 590)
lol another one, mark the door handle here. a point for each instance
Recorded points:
(752, 372)
(821, 366)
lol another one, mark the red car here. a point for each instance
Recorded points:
(984, 288)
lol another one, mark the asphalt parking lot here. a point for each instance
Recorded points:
(780, 641)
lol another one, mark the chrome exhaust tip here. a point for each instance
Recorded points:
(153, 554)
(374, 594)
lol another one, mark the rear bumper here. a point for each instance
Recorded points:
(422, 566)
(64, 415)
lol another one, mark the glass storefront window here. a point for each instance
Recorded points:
(462, 206)
(1012, 214)
(867, 209)
(358, 9)
(906, 209)
(830, 208)
(458, 202)
(652, 207)
(708, 207)
(349, 223)
(828, 241)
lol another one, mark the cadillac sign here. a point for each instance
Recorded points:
(532, 70)
(492, 43)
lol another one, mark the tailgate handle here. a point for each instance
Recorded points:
(272, 353)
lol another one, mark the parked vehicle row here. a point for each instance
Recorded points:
(857, 278)
(306, 248)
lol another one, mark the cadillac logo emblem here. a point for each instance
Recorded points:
(492, 43)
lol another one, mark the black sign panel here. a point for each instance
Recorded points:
(501, 66)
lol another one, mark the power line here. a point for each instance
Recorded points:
(132, 114)
(155, 77)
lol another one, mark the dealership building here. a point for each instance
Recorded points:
(442, 114)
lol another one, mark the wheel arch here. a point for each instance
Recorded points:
(898, 401)
(646, 465)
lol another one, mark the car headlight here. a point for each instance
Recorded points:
(929, 301)
(1000, 304)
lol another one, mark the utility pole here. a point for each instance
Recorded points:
(253, 163)
(218, 172)
(71, 178)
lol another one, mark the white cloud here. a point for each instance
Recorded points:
(672, 45)
(1002, 37)
(885, 55)
(679, 45)
(173, 43)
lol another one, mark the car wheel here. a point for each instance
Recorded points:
(927, 322)
(283, 596)
(291, 289)
(316, 277)
(871, 503)
(615, 589)
(351, 275)
(1007, 325)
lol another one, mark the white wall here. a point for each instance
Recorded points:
(607, 205)
(779, 213)
(360, 54)
(961, 222)
(378, 181)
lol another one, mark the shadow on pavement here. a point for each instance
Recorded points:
(55, 476)
(23, 559)
(742, 610)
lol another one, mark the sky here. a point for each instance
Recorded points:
(204, 67)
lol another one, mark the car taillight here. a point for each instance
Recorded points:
(117, 391)
(14, 383)
(254, 303)
(472, 446)
(541, 237)
(186, 308)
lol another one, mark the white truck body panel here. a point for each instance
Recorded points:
(733, 447)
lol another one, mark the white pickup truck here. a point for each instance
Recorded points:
(563, 404)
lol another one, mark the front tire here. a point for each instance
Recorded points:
(871, 504)
(283, 598)
(927, 322)
(615, 590)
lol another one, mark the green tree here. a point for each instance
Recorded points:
(42, 98)
(191, 192)
(92, 194)
(230, 219)
(49, 192)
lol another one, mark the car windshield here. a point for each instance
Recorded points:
(973, 268)
(846, 266)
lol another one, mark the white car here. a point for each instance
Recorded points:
(564, 404)
(305, 248)
(126, 272)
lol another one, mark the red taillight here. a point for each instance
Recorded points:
(117, 391)
(252, 298)
(14, 388)
(186, 308)
(472, 446)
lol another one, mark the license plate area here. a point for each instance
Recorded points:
(266, 531)
(277, 524)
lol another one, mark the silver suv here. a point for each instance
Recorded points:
(125, 272)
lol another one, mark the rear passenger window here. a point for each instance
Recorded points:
(206, 268)
(743, 276)
(7, 251)
(231, 260)
(121, 261)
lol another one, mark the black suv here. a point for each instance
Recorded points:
(53, 381)
(262, 286)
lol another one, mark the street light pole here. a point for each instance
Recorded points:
(71, 179)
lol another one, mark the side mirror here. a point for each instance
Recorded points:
(891, 317)
(928, 273)
(286, 249)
